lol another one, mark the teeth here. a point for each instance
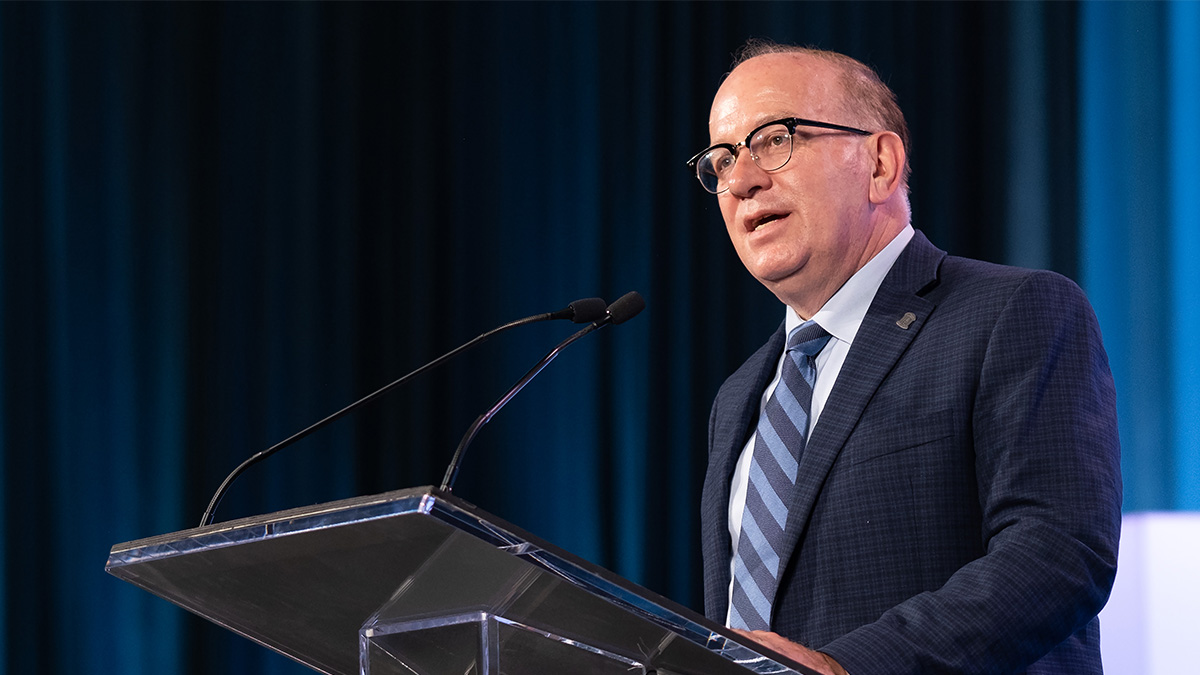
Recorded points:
(764, 221)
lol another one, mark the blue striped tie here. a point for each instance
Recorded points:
(778, 442)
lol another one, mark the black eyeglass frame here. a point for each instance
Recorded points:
(790, 122)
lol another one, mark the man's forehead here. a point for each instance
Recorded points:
(771, 86)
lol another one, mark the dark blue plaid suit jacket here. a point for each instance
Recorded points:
(958, 504)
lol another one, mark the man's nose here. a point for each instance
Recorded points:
(747, 177)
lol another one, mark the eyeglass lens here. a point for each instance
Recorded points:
(770, 149)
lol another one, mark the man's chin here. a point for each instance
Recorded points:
(775, 273)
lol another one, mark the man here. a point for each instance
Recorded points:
(930, 483)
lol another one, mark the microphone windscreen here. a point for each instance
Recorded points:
(626, 307)
(587, 309)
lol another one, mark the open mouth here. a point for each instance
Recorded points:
(761, 222)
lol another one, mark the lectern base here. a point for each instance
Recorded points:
(481, 643)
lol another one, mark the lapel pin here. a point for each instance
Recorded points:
(906, 320)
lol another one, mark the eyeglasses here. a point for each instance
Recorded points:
(770, 148)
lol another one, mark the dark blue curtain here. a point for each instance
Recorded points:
(221, 222)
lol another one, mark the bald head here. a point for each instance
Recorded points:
(866, 101)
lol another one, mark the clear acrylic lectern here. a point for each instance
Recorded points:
(420, 582)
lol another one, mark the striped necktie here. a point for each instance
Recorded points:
(778, 442)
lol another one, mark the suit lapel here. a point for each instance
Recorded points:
(896, 315)
(737, 410)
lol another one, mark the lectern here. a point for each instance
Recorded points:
(419, 582)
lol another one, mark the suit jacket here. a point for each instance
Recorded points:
(957, 508)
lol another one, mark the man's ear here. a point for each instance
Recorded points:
(887, 151)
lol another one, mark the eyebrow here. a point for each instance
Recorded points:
(758, 122)
(778, 115)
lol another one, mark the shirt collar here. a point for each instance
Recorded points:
(842, 314)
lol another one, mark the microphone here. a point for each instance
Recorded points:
(623, 309)
(580, 311)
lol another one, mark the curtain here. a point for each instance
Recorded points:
(220, 223)
(1141, 68)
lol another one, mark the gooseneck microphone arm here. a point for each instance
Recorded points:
(625, 308)
(580, 311)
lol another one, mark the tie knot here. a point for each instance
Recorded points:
(809, 338)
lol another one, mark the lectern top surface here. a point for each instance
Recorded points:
(308, 582)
